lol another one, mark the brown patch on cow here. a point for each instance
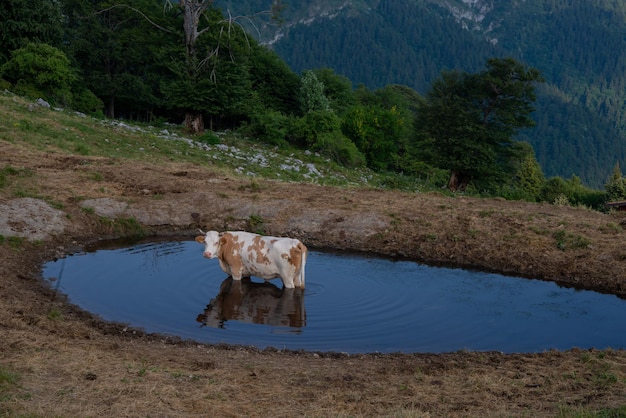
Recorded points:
(297, 258)
(200, 239)
(237, 245)
(296, 254)
(255, 251)
(229, 254)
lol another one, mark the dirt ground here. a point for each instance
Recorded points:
(56, 360)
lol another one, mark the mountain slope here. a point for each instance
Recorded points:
(579, 47)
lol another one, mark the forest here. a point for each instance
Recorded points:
(188, 63)
(578, 46)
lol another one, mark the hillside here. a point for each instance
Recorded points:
(581, 127)
(69, 182)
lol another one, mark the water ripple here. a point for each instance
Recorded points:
(351, 303)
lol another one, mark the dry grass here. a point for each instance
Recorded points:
(58, 361)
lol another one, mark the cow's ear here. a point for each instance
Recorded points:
(200, 239)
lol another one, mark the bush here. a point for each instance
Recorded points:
(40, 68)
(87, 102)
(270, 126)
(319, 131)
(209, 138)
(304, 131)
(572, 192)
(339, 149)
(4, 85)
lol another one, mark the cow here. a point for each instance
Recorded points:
(244, 254)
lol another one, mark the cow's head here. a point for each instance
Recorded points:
(211, 241)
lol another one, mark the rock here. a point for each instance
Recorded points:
(31, 218)
(41, 102)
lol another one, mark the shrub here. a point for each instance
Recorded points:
(339, 149)
(209, 138)
(85, 101)
(40, 68)
(270, 126)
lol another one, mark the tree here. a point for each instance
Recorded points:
(337, 88)
(41, 70)
(121, 55)
(312, 96)
(320, 131)
(192, 11)
(273, 81)
(380, 126)
(529, 178)
(471, 119)
(199, 62)
(615, 186)
(376, 133)
(22, 22)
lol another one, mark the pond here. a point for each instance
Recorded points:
(352, 303)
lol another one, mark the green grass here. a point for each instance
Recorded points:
(9, 381)
(257, 224)
(11, 176)
(5, 174)
(12, 241)
(568, 241)
(124, 226)
(51, 130)
(8, 377)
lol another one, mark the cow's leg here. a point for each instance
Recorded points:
(302, 280)
(298, 258)
(299, 278)
(296, 280)
(237, 274)
(287, 278)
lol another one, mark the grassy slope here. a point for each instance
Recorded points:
(24, 122)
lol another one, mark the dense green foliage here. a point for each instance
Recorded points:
(472, 118)
(23, 22)
(38, 70)
(119, 53)
(616, 185)
(135, 60)
(576, 45)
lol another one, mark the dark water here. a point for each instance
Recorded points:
(351, 304)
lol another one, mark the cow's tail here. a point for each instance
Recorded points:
(303, 264)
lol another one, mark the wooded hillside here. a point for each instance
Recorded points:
(578, 46)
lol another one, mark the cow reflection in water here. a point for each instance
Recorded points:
(256, 303)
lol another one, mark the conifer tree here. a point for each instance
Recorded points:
(615, 186)
(312, 96)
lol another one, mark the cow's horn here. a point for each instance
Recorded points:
(201, 231)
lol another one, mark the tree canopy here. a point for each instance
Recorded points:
(21, 22)
(470, 119)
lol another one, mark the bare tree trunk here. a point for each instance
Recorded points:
(194, 122)
(192, 11)
(458, 181)
(110, 108)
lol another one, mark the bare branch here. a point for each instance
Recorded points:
(136, 11)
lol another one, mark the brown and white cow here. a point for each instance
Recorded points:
(243, 254)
